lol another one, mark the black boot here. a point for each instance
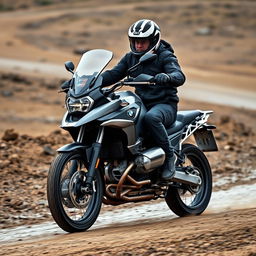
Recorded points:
(169, 167)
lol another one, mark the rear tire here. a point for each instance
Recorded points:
(201, 195)
(73, 212)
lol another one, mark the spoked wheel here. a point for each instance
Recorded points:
(192, 200)
(72, 209)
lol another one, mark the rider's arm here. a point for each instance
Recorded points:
(173, 70)
(115, 74)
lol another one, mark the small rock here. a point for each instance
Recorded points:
(222, 136)
(241, 129)
(47, 150)
(224, 119)
(42, 202)
(253, 153)
(229, 147)
(3, 145)
(7, 93)
(9, 43)
(59, 132)
(14, 157)
(228, 167)
(10, 135)
(203, 31)
(4, 163)
(232, 143)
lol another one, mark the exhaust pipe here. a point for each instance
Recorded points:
(186, 178)
(149, 160)
(152, 158)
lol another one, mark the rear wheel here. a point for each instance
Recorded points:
(73, 210)
(192, 200)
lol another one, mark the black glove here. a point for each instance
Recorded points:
(162, 79)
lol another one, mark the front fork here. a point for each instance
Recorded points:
(94, 160)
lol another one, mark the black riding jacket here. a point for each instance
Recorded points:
(166, 62)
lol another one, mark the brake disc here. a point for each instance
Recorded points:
(78, 199)
(65, 194)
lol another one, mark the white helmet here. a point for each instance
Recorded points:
(146, 29)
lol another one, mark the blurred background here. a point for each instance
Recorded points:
(215, 44)
(213, 40)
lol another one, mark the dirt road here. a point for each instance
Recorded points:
(226, 233)
(237, 197)
(150, 229)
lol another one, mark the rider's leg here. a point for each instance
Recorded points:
(156, 119)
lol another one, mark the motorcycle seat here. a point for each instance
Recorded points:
(183, 118)
(188, 116)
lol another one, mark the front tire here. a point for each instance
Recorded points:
(72, 210)
(192, 200)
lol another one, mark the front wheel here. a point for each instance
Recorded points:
(192, 200)
(73, 210)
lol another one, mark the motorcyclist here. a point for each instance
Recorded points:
(160, 99)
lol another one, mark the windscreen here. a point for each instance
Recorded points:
(90, 66)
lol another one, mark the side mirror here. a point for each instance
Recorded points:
(65, 86)
(69, 65)
(147, 57)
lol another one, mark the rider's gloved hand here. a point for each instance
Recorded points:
(162, 79)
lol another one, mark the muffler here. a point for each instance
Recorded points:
(149, 160)
(186, 178)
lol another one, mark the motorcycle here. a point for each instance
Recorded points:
(113, 160)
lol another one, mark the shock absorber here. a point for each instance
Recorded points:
(94, 158)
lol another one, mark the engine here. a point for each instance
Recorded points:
(146, 162)
(114, 171)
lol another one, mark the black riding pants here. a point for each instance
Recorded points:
(156, 119)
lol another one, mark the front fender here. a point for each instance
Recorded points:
(71, 147)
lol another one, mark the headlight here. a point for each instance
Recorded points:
(79, 105)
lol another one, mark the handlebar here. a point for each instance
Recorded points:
(137, 83)
(128, 83)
